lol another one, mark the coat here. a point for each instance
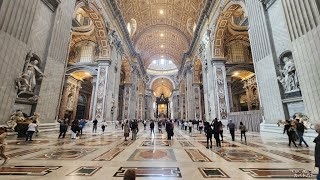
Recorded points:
(126, 128)
(317, 151)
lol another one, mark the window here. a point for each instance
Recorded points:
(170, 62)
(86, 54)
(162, 61)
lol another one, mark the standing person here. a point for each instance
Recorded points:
(3, 135)
(63, 128)
(122, 124)
(145, 124)
(81, 125)
(32, 127)
(152, 127)
(160, 126)
(317, 149)
(126, 130)
(74, 129)
(95, 124)
(134, 129)
(185, 125)
(300, 130)
(243, 130)
(221, 130)
(231, 126)
(290, 132)
(103, 126)
(216, 132)
(208, 132)
(168, 129)
(201, 126)
(190, 126)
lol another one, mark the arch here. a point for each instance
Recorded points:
(101, 30)
(245, 67)
(223, 25)
(93, 71)
(164, 77)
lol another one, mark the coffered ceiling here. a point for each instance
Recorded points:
(162, 86)
(164, 28)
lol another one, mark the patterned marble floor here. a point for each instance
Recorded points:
(108, 156)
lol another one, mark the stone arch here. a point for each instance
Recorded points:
(100, 27)
(222, 26)
(160, 77)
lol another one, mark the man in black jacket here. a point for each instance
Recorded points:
(152, 127)
(134, 129)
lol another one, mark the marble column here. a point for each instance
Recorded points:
(99, 111)
(76, 98)
(189, 94)
(221, 89)
(229, 83)
(94, 83)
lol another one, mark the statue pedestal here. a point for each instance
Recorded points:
(21, 129)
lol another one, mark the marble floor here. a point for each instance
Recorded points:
(107, 156)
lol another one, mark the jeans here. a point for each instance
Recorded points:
(29, 135)
(94, 129)
(232, 133)
(209, 139)
(301, 139)
(63, 134)
(134, 134)
(244, 134)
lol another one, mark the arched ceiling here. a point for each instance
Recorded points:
(164, 27)
(162, 85)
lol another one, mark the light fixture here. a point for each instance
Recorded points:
(161, 11)
(161, 46)
(162, 56)
(236, 73)
(161, 35)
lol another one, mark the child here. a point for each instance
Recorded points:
(3, 135)
(103, 126)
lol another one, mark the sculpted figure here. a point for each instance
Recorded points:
(31, 74)
(289, 78)
(17, 116)
(22, 84)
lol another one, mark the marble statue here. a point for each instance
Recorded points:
(33, 74)
(302, 118)
(22, 84)
(289, 78)
(16, 117)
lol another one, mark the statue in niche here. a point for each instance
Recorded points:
(29, 78)
(289, 77)
(70, 102)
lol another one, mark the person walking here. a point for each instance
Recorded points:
(81, 125)
(160, 126)
(231, 126)
(95, 125)
(185, 125)
(126, 130)
(208, 132)
(168, 129)
(152, 127)
(32, 127)
(243, 130)
(134, 129)
(317, 149)
(201, 126)
(144, 124)
(216, 132)
(190, 127)
(3, 135)
(74, 129)
(221, 129)
(103, 126)
(300, 131)
(290, 132)
(63, 128)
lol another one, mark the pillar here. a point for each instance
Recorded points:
(99, 112)
(221, 90)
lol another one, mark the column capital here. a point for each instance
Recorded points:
(104, 61)
(220, 60)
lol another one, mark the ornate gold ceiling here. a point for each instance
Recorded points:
(162, 85)
(164, 27)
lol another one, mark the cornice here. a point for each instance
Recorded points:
(207, 9)
(118, 16)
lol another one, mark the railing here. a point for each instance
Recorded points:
(251, 119)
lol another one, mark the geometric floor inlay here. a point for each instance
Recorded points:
(240, 155)
(212, 173)
(85, 171)
(290, 173)
(290, 156)
(155, 143)
(96, 142)
(223, 144)
(165, 172)
(152, 155)
(197, 156)
(27, 170)
(125, 144)
(109, 155)
(22, 153)
(64, 154)
(305, 152)
(28, 142)
(186, 144)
